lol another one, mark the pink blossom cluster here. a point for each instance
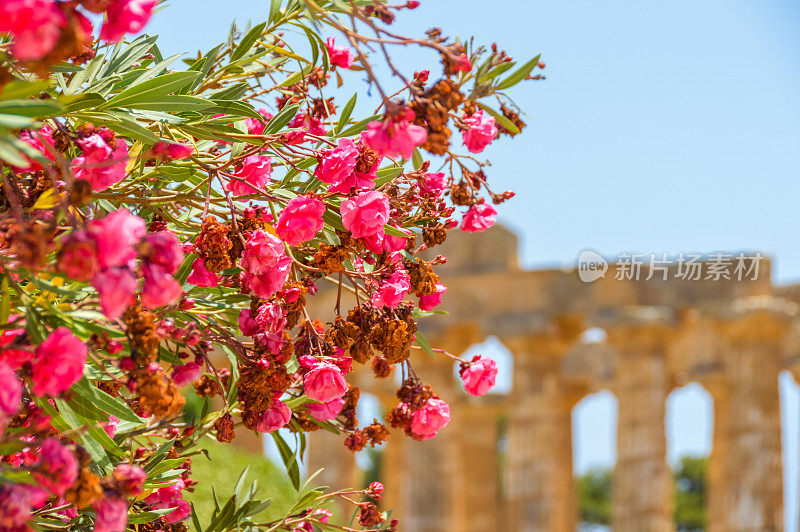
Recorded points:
(170, 497)
(37, 25)
(266, 326)
(105, 253)
(255, 170)
(337, 167)
(300, 220)
(265, 263)
(99, 163)
(396, 137)
(430, 419)
(478, 218)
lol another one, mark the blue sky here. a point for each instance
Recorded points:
(662, 127)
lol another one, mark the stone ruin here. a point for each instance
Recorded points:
(734, 337)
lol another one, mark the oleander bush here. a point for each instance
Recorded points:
(164, 222)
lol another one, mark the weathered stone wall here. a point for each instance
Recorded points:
(734, 337)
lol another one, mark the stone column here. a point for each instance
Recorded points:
(642, 487)
(326, 450)
(478, 423)
(538, 488)
(745, 477)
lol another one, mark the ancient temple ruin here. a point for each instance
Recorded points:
(734, 337)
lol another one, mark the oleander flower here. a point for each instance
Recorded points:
(117, 290)
(200, 275)
(340, 55)
(434, 299)
(300, 220)
(35, 24)
(17, 501)
(256, 170)
(365, 214)
(160, 287)
(275, 417)
(391, 291)
(432, 184)
(10, 390)
(479, 375)
(430, 419)
(186, 373)
(115, 236)
(324, 382)
(126, 16)
(58, 362)
(478, 218)
(338, 163)
(57, 468)
(77, 257)
(326, 411)
(395, 139)
(481, 131)
(112, 515)
(99, 164)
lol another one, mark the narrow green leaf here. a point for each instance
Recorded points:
(152, 89)
(519, 74)
(505, 122)
(248, 41)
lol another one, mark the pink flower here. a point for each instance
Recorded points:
(256, 170)
(392, 290)
(248, 325)
(58, 362)
(430, 419)
(255, 126)
(160, 287)
(432, 184)
(40, 140)
(395, 139)
(10, 390)
(115, 236)
(164, 250)
(180, 513)
(78, 256)
(35, 24)
(183, 375)
(265, 263)
(168, 151)
(309, 123)
(13, 358)
(201, 276)
(365, 214)
(463, 64)
(479, 375)
(126, 16)
(16, 503)
(112, 515)
(337, 164)
(170, 497)
(98, 164)
(57, 468)
(116, 288)
(300, 220)
(110, 427)
(481, 132)
(478, 218)
(274, 417)
(433, 300)
(262, 253)
(324, 382)
(340, 55)
(131, 477)
(271, 317)
(375, 490)
(326, 411)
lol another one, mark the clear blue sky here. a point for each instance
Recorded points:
(662, 127)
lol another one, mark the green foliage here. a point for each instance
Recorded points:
(595, 494)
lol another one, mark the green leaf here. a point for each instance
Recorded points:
(344, 116)
(110, 405)
(146, 517)
(496, 71)
(248, 41)
(274, 11)
(92, 446)
(152, 89)
(22, 89)
(288, 458)
(416, 159)
(78, 102)
(359, 126)
(174, 103)
(519, 74)
(384, 175)
(423, 343)
(280, 120)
